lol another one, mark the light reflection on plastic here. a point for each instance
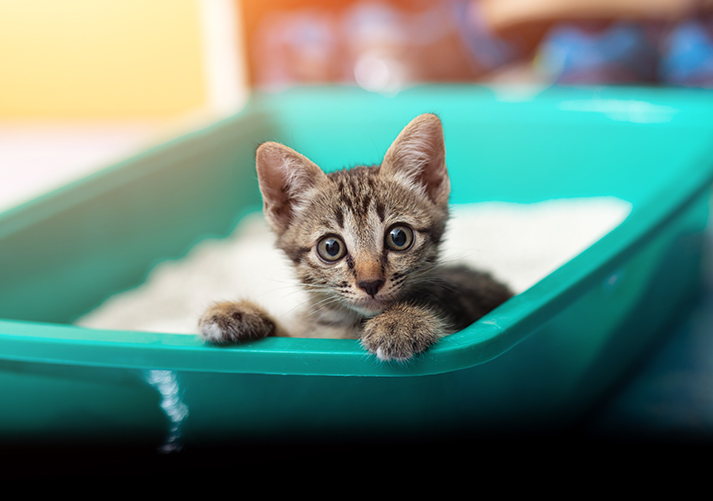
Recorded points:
(623, 110)
(176, 411)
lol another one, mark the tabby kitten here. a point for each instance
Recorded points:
(364, 243)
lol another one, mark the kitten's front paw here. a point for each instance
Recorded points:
(233, 322)
(401, 332)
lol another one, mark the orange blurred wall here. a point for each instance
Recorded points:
(101, 58)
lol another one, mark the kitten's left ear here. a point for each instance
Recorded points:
(418, 158)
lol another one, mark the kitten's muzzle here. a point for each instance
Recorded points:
(370, 306)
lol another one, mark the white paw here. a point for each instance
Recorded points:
(211, 332)
(383, 356)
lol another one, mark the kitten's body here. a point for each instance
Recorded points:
(365, 244)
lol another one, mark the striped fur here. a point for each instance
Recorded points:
(342, 232)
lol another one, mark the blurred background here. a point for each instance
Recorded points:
(119, 59)
(85, 82)
(123, 58)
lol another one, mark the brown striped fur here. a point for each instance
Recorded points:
(397, 301)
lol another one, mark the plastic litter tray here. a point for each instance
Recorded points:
(539, 361)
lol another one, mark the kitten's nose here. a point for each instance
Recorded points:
(371, 288)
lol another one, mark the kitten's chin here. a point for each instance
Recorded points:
(370, 307)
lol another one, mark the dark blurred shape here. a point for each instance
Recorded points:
(384, 46)
(295, 47)
(488, 50)
(687, 54)
(589, 53)
(381, 46)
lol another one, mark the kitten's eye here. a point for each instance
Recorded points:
(331, 249)
(399, 237)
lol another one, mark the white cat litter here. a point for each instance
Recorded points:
(518, 243)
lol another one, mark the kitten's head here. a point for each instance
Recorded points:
(360, 238)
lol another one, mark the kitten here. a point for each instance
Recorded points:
(364, 243)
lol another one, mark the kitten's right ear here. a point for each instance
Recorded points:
(287, 180)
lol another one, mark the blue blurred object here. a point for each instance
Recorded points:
(487, 50)
(618, 53)
(687, 54)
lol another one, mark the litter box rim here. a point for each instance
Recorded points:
(490, 337)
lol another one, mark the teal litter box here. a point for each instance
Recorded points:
(538, 362)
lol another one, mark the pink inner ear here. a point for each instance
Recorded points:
(435, 179)
(273, 185)
(419, 153)
(284, 176)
